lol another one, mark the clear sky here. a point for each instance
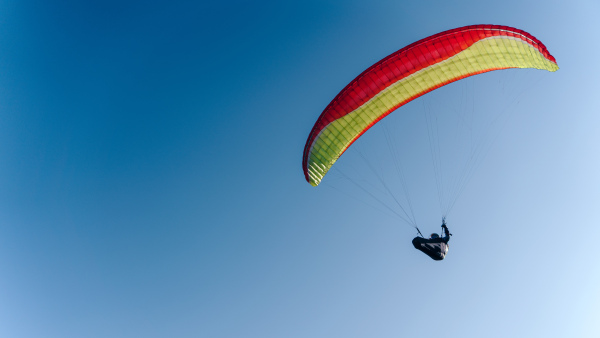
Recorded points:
(151, 181)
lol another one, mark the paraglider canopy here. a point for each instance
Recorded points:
(409, 73)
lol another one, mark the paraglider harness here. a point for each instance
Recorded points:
(436, 248)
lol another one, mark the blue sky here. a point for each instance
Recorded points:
(151, 182)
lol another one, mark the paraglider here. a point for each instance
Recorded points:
(407, 74)
(435, 247)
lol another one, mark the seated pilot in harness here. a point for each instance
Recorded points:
(435, 247)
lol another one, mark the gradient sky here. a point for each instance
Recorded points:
(151, 181)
